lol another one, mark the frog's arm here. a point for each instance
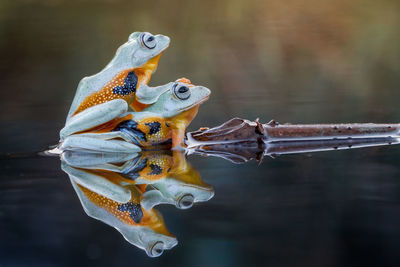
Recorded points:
(97, 184)
(94, 116)
(149, 95)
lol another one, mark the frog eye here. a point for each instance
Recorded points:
(148, 40)
(182, 92)
(157, 249)
(185, 202)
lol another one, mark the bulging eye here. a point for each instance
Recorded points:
(185, 202)
(148, 40)
(157, 249)
(181, 91)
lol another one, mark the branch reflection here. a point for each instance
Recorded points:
(124, 190)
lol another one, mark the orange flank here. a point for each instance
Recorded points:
(156, 130)
(106, 93)
(151, 218)
(157, 167)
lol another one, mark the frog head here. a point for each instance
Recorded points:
(181, 97)
(141, 50)
(179, 105)
(181, 185)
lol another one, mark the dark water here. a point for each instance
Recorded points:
(294, 61)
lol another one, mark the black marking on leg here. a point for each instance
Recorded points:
(155, 169)
(134, 172)
(130, 127)
(135, 211)
(155, 127)
(129, 87)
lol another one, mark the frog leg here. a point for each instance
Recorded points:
(178, 135)
(97, 184)
(100, 160)
(140, 127)
(94, 116)
(104, 142)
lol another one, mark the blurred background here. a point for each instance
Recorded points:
(294, 61)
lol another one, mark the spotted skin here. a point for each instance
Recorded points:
(124, 211)
(129, 86)
(147, 131)
(135, 211)
(155, 127)
(130, 127)
(151, 167)
(135, 172)
(122, 86)
(113, 207)
(155, 169)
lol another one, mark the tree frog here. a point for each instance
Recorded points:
(112, 188)
(142, 228)
(173, 179)
(127, 73)
(125, 131)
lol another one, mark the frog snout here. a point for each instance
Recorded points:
(163, 41)
(204, 91)
(164, 37)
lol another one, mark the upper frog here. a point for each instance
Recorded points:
(132, 67)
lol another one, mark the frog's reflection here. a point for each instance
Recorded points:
(122, 190)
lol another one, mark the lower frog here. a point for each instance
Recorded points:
(164, 121)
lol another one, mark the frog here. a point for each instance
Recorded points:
(164, 121)
(113, 188)
(173, 180)
(142, 228)
(127, 73)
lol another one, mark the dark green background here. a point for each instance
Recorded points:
(295, 61)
